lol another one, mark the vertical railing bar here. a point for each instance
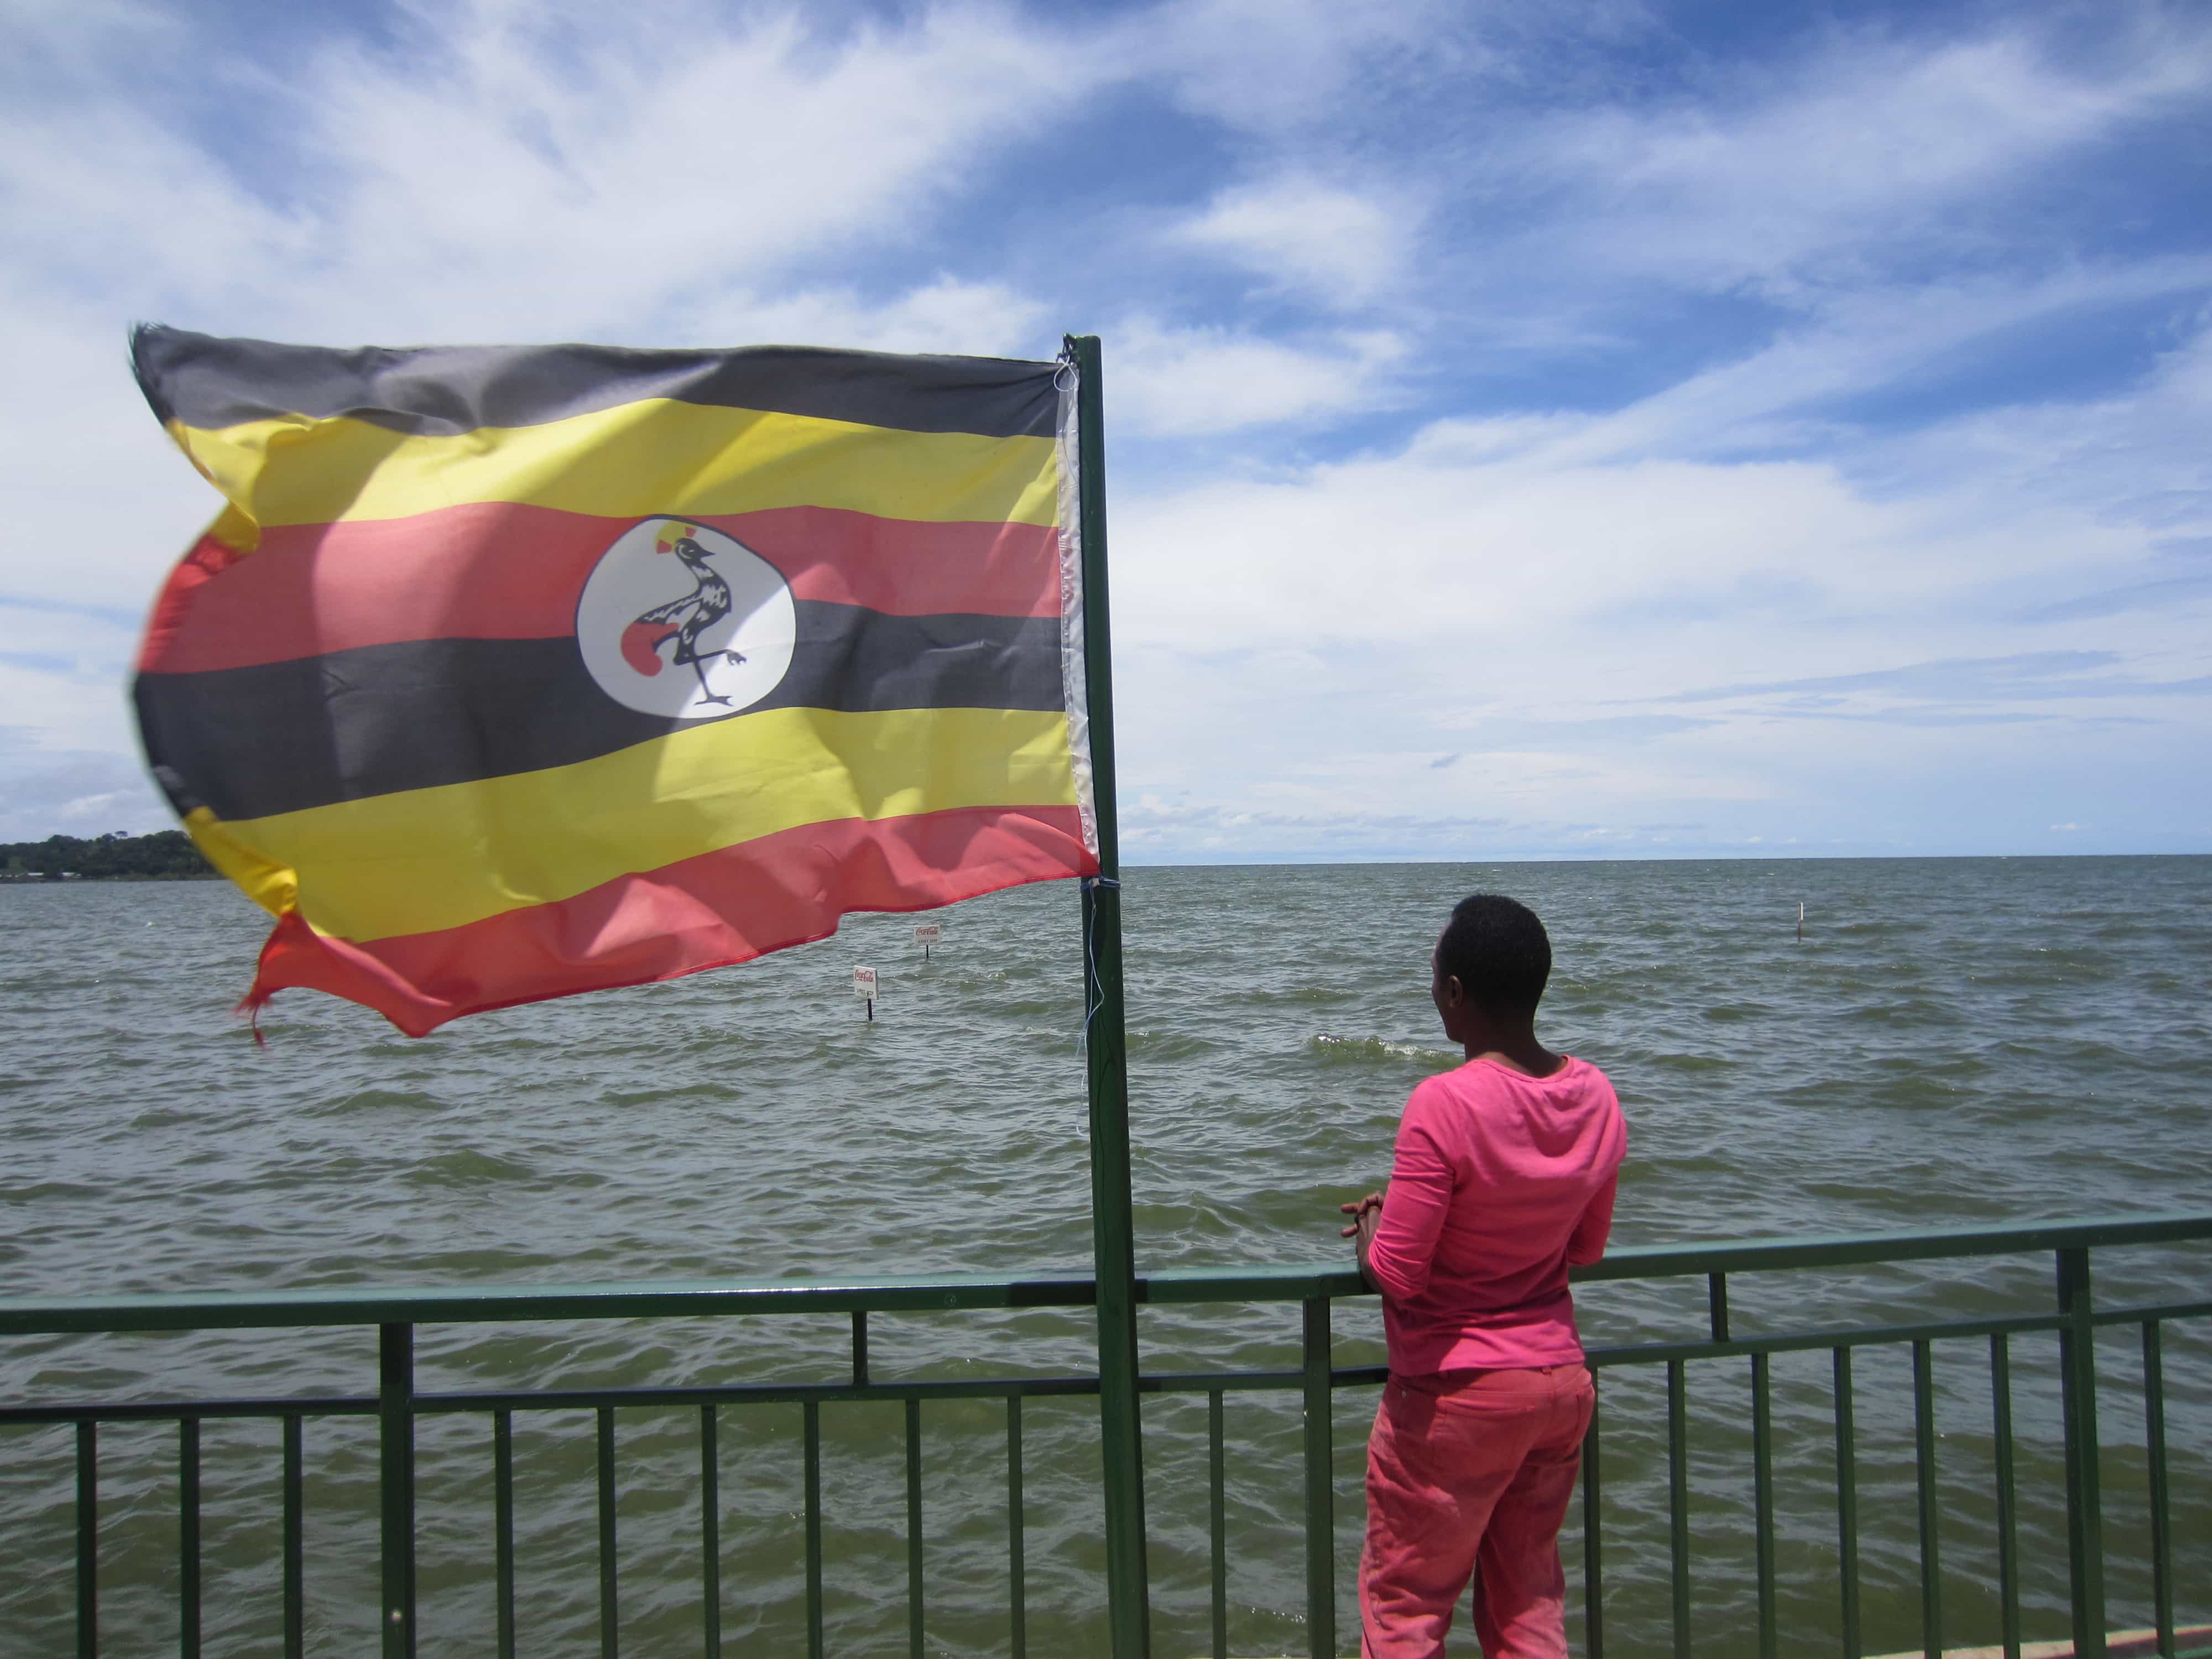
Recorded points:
(1923, 1463)
(296, 1538)
(610, 1623)
(913, 1609)
(710, 1532)
(502, 1458)
(1321, 1509)
(811, 1418)
(395, 1459)
(1847, 1506)
(1018, 1633)
(1716, 1304)
(860, 1347)
(88, 1538)
(1217, 1522)
(188, 1538)
(1678, 1501)
(1592, 1538)
(2161, 1513)
(1762, 1457)
(2085, 1531)
(2007, 1495)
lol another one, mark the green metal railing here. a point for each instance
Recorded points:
(396, 1407)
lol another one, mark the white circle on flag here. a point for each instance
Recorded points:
(679, 620)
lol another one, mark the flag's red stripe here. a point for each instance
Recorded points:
(705, 912)
(178, 596)
(503, 571)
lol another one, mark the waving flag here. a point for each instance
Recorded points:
(511, 672)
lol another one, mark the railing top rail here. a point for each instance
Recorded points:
(1719, 1256)
(370, 1304)
(1910, 1245)
(681, 1299)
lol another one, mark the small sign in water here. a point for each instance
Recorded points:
(928, 934)
(864, 985)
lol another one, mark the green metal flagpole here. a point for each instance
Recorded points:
(1105, 1045)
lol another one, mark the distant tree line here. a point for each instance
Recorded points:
(167, 853)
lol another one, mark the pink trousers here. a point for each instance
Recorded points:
(1470, 1474)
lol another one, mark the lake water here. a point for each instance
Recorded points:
(1953, 1040)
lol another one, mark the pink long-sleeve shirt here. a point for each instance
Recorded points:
(1501, 1180)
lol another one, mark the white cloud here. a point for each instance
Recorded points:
(1277, 66)
(1526, 592)
(1871, 150)
(495, 181)
(1179, 382)
(1341, 246)
(948, 315)
(1878, 338)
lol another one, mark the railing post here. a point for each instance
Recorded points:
(710, 1532)
(87, 1539)
(395, 1438)
(188, 1538)
(502, 1502)
(1847, 1506)
(609, 1560)
(296, 1538)
(1018, 1638)
(2085, 1524)
(1128, 1593)
(1762, 1473)
(810, 1417)
(1217, 1516)
(1678, 1502)
(2008, 1496)
(1320, 1506)
(1930, 1501)
(2162, 1507)
(915, 1625)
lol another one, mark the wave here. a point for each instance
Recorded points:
(1335, 1050)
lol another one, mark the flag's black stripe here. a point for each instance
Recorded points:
(283, 736)
(206, 381)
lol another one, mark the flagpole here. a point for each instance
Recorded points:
(1112, 1227)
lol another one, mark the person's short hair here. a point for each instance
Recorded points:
(1498, 952)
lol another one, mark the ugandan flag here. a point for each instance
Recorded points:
(511, 672)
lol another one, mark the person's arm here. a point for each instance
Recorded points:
(1399, 1238)
(1587, 1242)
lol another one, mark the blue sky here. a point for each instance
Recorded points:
(1535, 430)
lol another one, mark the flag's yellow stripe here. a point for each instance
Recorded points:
(653, 456)
(422, 859)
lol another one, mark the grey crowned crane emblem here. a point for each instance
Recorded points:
(684, 620)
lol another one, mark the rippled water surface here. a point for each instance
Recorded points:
(1957, 1041)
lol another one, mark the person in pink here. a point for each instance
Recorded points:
(1504, 1175)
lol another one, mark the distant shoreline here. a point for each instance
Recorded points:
(165, 856)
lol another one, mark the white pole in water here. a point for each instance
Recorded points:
(1800, 921)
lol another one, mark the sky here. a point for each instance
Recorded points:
(1535, 429)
